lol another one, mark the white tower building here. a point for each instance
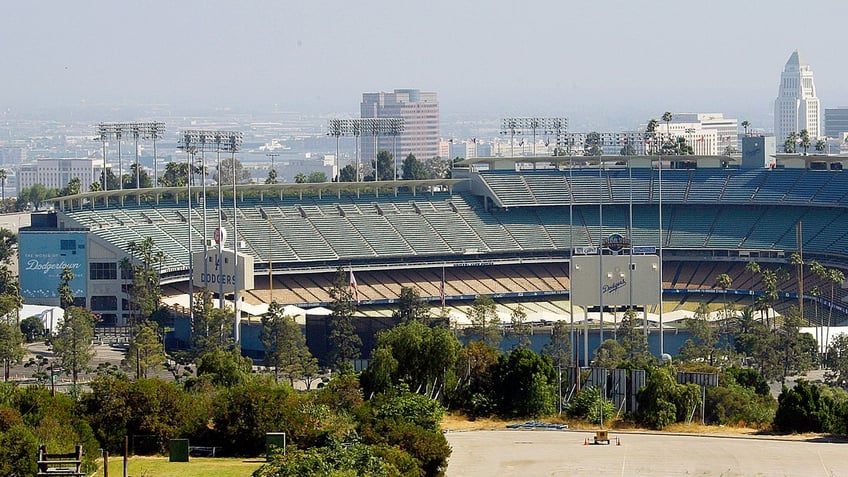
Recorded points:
(797, 106)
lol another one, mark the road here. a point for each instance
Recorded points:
(523, 453)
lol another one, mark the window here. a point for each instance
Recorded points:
(67, 244)
(104, 303)
(103, 271)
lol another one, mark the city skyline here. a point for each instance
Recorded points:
(605, 65)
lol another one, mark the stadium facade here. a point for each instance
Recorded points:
(501, 226)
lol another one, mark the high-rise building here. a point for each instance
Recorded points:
(797, 106)
(836, 122)
(420, 113)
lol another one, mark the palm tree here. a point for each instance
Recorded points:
(754, 268)
(651, 133)
(3, 177)
(724, 282)
(796, 260)
(745, 125)
(834, 276)
(821, 145)
(805, 140)
(667, 117)
(789, 143)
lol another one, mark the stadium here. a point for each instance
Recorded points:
(503, 227)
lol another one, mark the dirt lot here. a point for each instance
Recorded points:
(563, 453)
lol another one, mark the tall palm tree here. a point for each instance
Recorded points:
(805, 140)
(821, 145)
(745, 125)
(651, 134)
(789, 143)
(724, 282)
(796, 260)
(3, 177)
(667, 117)
(834, 276)
(753, 268)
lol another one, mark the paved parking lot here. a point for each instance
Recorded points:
(563, 453)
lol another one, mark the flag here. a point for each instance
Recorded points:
(521, 143)
(354, 286)
(700, 139)
(474, 140)
(547, 142)
(442, 288)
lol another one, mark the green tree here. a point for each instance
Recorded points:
(12, 350)
(36, 195)
(837, 361)
(224, 173)
(559, 348)
(413, 169)
(526, 384)
(285, 346)
(145, 353)
(745, 125)
(437, 168)
(66, 294)
(663, 402)
(790, 143)
(609, 355)
(667, 117)
(628, 150)
(410, 306)
(272, 177)
(702, 345)
(651, 135)
(18, 451)
(175, 175)
(484, 321)
(803, 409)
(212, 326)
(821, 145)
(422, 357)
(384, 166)
(592, 146)
(346, 344)
(72, 344)
(634, 342)
(300, 178)
(225, 368)
(316, 177)
(32, 328)
(520, 328)
(145, 294)
(347, 174)
(72, 188)
(805, 140)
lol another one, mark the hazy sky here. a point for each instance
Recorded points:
(593, 60)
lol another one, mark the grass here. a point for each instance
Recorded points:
(197, 467)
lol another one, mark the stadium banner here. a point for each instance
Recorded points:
(589, 282)
(43, 257)
(220, 270)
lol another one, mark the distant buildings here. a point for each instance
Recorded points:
(708, 133)
(420, 113)
(56, 173)
(836, 122)
(797, 106)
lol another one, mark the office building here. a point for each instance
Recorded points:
(56, 173)
(836, 122)
(726, 131)
(797, 106)
(420, 113)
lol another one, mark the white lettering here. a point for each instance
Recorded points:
(47, 267)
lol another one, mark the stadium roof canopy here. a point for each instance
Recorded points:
(318, 188)
(636, 161)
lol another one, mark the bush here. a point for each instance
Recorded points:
(586, 405)
(804, 409)
(525, 384)
(663, 402)
(18, 452)
(734, 404)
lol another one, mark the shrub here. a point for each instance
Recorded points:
(586, 404)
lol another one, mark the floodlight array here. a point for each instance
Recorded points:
(365, 126)
(210, 140)
(138, 130)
